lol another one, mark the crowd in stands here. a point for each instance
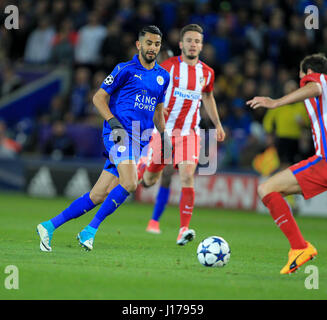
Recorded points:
(254, 46)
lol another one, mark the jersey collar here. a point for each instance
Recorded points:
(138, 63)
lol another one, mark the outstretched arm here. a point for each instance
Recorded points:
(310, 90)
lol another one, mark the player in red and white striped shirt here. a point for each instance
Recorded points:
(308, 177)
(191, 82)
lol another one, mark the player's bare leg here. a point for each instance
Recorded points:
(105, 183)
(128, 175)
(272, 192)
(186, 173)
(283, 182)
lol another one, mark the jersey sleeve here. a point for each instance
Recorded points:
(313, 77)
(209, 86)
(162, 93)
(115, 80)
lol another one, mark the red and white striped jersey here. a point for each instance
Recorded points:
(317, 110)
(184, 93)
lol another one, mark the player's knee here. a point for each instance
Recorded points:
(187, 179)
(129, 186)
(263, 189)
(98, 197)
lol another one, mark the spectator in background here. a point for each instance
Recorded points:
(92, 116)
(10, 81)
(26, 134)
(238, 31)
(228, 152)
(144, 15)
(208, 54)
(247, 88)
(255, 33)
(293, 49)
(267, 74)
(221, 41)
(168, 14)
(283, 75)
(79, 95)
(105, 10)
(322, 47)
(251, 70)
(204, 16)
(183, 16)
(38, 47)
(274, 36)
(59, 11)
(17, 47)
(164, 54)
(57, 109)
(125, 10)
(90, 37)
(59, 144)
(5, 43)
(9, 148)
(173, 41)
(110, 50)
(240, 121)
(66, 26)
(41, 8)
(78, 14)
(62, 52)
(228, 82)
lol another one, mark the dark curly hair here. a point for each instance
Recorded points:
(316, 62)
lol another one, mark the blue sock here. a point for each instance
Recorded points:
(114, 199)
(161, 201)
(75, 210)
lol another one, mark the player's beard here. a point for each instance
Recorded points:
(188, 56)
(148, 60)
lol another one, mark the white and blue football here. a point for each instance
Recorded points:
(213, 252)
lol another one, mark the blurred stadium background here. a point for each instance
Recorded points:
(50, 132)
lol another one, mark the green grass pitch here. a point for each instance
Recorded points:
(129, 264)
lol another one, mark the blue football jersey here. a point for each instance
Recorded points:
(134, 94)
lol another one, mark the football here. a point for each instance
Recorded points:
(213, 252)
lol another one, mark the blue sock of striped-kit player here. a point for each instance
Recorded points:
(161, 202)
(75, 210)
(114, 199)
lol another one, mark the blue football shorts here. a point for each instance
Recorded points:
(116, 153)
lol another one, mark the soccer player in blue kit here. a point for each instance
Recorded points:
(131, 102)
